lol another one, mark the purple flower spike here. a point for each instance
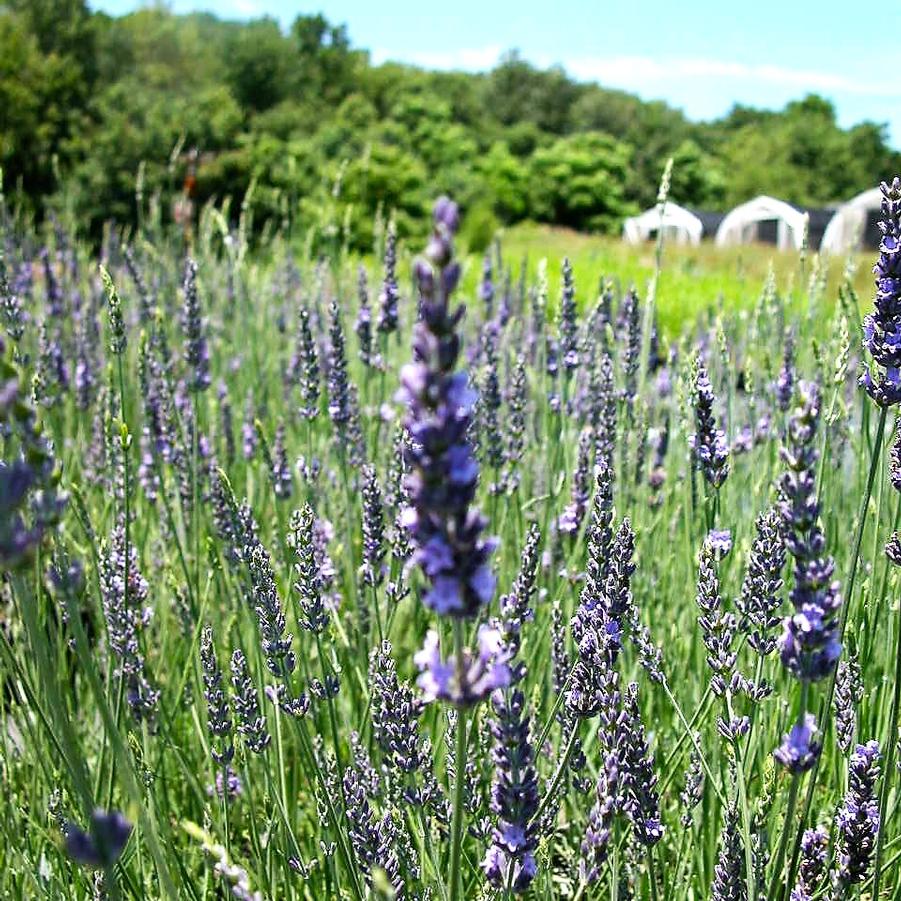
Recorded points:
(709, 446)
(480, 674)
(388, 297)
(197, 354)
(719, 541)
(103, 843)
(858, 818)
(445, 530)
(446, 214)
(800, 749)
(882, 327)
(514, 795)
(809, 645)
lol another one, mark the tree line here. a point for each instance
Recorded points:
(95, 110)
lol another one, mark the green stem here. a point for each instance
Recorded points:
(826, 705)
(127, 766)
(561, 769)
(741, 778)
(783, 841)
(455, 889)
(889, 765)
(652, 874)
(776, 881)
(430, 853)
(694, 740)
(333, 720)
(677, 881)
(861, 524)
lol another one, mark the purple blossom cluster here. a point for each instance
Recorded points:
(809, 645)
(812, 867)
(708, 443)
(389, 296)
(510, 859)
(858, 819)
(102, 843)
(718, 626)
(197, 355)
(470, 677)
(760, 599)
(445, 529)
(125, 595)
(882, 327)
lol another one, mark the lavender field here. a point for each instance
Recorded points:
(315, 586)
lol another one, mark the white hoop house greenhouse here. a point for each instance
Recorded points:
(855, 225)
(680, 226)
(763, 219)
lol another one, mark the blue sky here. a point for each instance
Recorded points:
(700, 55)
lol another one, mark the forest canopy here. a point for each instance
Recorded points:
(93, 108)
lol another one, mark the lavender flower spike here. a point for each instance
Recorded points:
(338, 383)
(718, 627)
(196, 352)
(641, 802)
(470, 681)
(785, 384)
(124, 593)
(599, 832)
(510, 859)
(809, 645)
(222, 750)
(570, 520)
(814, 846)
(308, 362)
(848, 693)
(858, 818)
(388, 314)
(569, 343)
(104, 843)
(251, 722)
(363, 324)
(445, 530)
(800, 748)
(882, 327)
(729, 882)
(396, 711)
(760, 601)
(486, 287)
(708, 444)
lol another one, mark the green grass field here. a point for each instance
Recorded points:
(144, 502)
(694, 279)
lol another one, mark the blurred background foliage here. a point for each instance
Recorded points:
(102, 115)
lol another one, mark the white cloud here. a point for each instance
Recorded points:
(468, 59)
(652, 73)
(246, 8)
(645, 71)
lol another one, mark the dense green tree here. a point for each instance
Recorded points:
(328, 139)
(327, 66)
(258, 65)
(138, 126)
(698, 179)
(801, 155)
(516, 91)
(507, 182)
(64, 29)
(579, 181)
(42, 100)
